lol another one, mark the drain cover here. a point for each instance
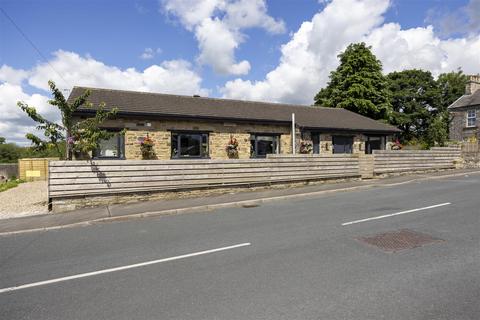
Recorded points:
(399, 240)
(250, 205)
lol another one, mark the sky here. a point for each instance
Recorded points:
(267, 50)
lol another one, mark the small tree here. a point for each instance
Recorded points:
(357, 84)
(81, 136)
(2, 140)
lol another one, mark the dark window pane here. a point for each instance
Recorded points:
(190, 145)
(186, 145)
(374, 143)
(264, 144)
(174, 145)
(316, 143)
(342, 144)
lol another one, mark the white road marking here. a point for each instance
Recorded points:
(137, 265)
(396, 214)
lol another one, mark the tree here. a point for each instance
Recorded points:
(357, 84)
(2, 140)
(415, 99)
(10, 152)
(81, 136)
(452, 86)
(437, 131)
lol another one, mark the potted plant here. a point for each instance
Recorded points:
(146, 147)
(232, 148)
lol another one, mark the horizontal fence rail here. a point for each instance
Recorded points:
(107, 177)
(397, 161)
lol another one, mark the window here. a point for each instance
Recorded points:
(374, 143)
(113, 148)
(189, 145)
(316, 142)
(263, 144)
(471, 118)
(342, 144)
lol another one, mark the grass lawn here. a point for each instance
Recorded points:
(10, 184)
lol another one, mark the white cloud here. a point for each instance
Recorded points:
(420, 48)
(218, 50)
(464, 20)
(11, 75)
(307, 59)
(218, 25)
(14, 124)
(150, 53)
(173, 76)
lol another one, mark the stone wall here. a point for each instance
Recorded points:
(8, 171)
(458, 126)
(219, 136)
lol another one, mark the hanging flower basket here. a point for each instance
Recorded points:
(397, 145)
(146, 147)
(306, 147)
(232, 148)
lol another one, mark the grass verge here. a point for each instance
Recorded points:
(10, 184)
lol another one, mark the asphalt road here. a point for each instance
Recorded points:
(294, 260)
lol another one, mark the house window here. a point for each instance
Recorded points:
(471, 118)
(189, 145)
(374, 143)
(263, 144)
(316, 142)
(113, 148)
(342, 144)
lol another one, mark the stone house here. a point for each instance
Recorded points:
(196, 127)
(464, 112)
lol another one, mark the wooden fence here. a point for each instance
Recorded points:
(34, 169)
(471, 154)
(397, 161)
(104, 177)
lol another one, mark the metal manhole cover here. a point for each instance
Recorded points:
(399, 240)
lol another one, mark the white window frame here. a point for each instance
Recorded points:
(471, 118)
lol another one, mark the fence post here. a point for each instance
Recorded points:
(366, 165)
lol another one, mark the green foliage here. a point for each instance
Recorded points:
(451, 86)
(10, 184)
(357, 84)
(2, 140)
(81, 136)
(415, 98)
(10, 152)
(437, 131)
(412, 100)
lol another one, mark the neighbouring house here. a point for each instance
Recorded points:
(464, 112)
(197, 127)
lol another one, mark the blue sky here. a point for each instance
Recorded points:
(277, 50)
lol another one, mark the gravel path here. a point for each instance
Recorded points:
(26, 199)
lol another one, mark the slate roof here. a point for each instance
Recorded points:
(177, 106)
(467, 100)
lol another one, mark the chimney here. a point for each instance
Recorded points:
(473, 84)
